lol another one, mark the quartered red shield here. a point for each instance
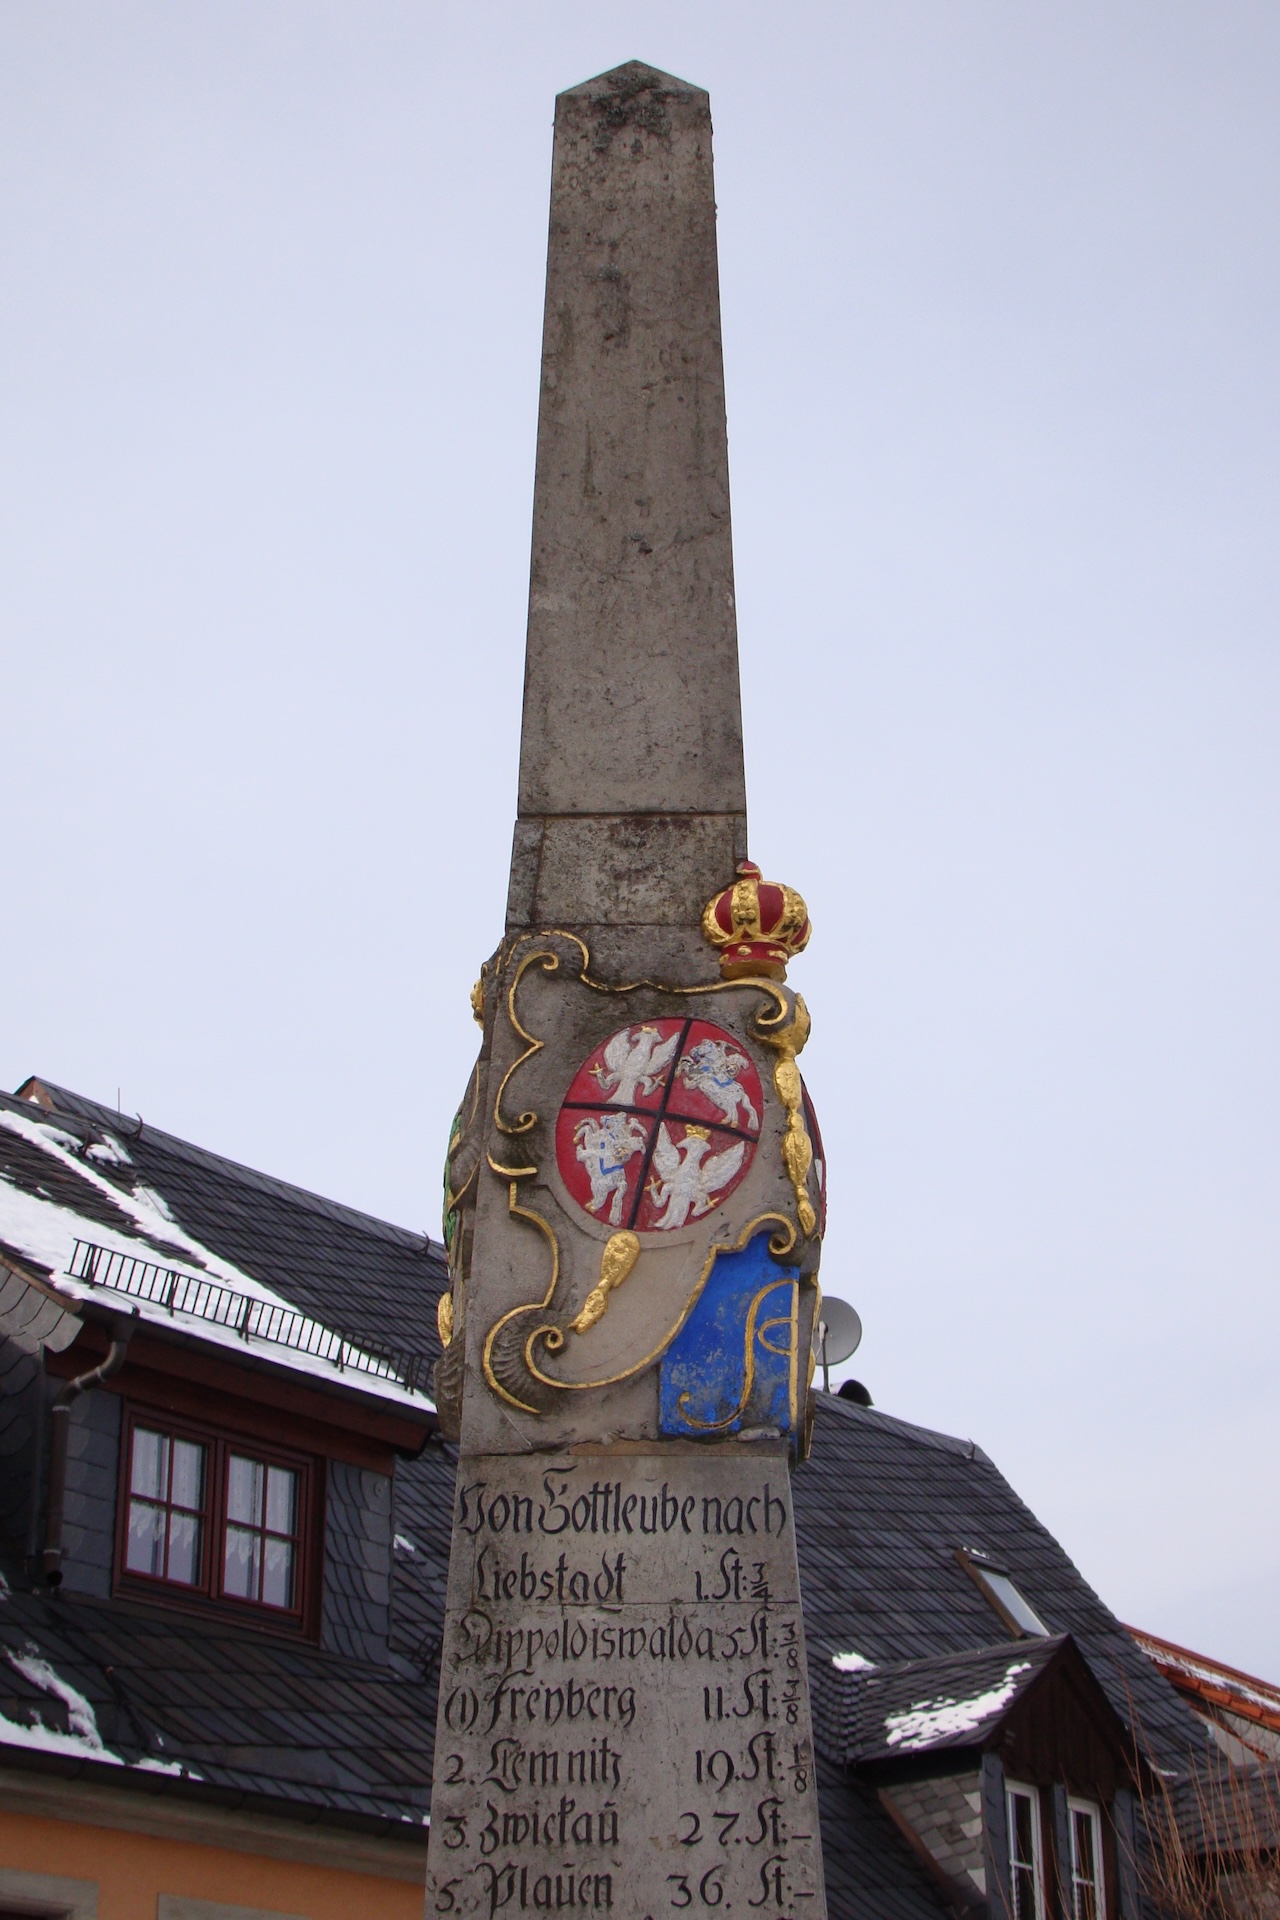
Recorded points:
(659, 1125)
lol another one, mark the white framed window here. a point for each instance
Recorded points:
(1026, 1852)
(205, 1518)
(1088, 1880)
(993, 1582)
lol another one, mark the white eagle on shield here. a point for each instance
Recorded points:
(633, 1061)
(685, 1182)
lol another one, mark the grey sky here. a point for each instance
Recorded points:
(1000, 300)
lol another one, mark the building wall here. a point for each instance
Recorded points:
(143, 1877)
(946, 1816)
(356, 1617)
(21, 1404)
(356, 1610)
(89, 1513)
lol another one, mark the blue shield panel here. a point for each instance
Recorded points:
(735, 1362)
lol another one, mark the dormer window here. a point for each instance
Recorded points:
(208, 1517)
(260, 1553)
(1026, 1853)
(1088, 1889)
(167, 1507)
(993, 1582)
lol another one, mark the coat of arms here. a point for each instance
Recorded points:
(659, 1125)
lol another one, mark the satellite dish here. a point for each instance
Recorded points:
(839, 1331)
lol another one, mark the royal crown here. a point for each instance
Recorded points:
(757, 924)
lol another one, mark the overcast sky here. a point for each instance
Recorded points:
(1000, 311)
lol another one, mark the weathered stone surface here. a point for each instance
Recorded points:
(622, 870)
(628, 883)
(631, 1195)
(624, 1721)
(631, 691)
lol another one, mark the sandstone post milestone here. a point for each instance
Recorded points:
(634, 1186)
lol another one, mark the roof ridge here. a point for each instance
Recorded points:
(83, 1108)
(1032, 1647)
(1147, 1641)
(924, 1436)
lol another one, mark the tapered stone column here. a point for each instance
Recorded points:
(634, 1201)
(632, 797)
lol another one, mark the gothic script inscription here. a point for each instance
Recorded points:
(624, 1718)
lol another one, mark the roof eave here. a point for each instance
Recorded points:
(950, 1753)
(407, 1826)
(345, 1389)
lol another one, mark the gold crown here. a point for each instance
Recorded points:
(758, 925)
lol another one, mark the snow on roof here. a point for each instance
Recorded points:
(82, 1740)
(50, 1228)
(1243, 1691)
(852, 1663)
(47, 1230)
(44, 1095)
(945, 1716)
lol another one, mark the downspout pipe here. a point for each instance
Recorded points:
(59, 1436)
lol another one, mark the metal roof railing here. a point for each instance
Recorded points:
(244, 1314)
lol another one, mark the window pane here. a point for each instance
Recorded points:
(1024, 1894)
(184, 1548)
(244, 1490)
(1082, 1843)
(144, 1552)
(1015, 1604)
(282, 1499)
(1021, 1831)
(240, 1564)
(1085, 1864)
(277, 1573)
(150, 1464)
(186, 1488)
(1024, 1865)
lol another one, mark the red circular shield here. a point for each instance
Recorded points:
(659, 1125)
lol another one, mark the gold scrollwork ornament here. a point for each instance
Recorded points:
(797, 1148)
(621, 1252)
(509, 1364)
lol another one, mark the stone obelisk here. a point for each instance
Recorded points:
(634, 1198)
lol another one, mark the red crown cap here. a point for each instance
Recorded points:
(757, 924)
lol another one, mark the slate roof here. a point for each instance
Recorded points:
(72, 1170)
(423, 1521)
(356, 1273)
(870, 1871)
(153, 1698)
(1211, 1682)
(923, 1706)
(1235, 1811)
(191, 1704)
(881, 1509)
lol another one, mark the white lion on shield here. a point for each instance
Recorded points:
(711, 1068)
(605, 1142)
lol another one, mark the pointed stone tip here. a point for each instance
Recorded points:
(633, 76)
